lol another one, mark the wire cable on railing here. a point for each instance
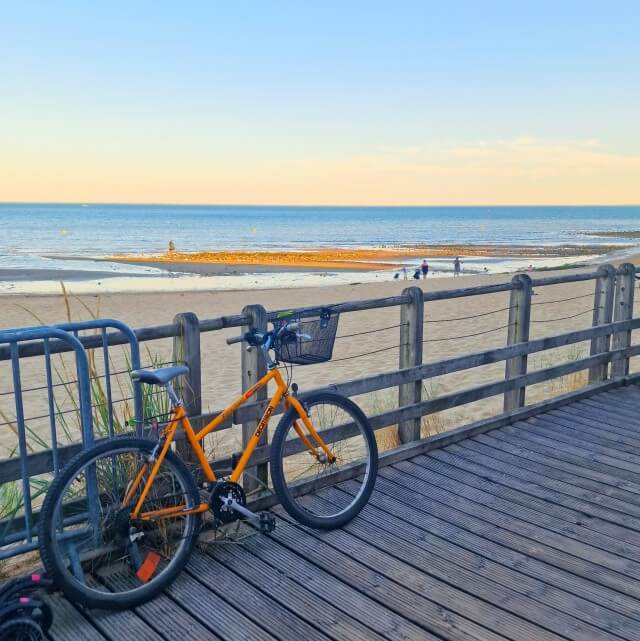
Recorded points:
(561, 300)
(375, 351)
(553, 320)
(76, 410)
(452, 338)
(458, 318)
(92, 378)
(370, 331)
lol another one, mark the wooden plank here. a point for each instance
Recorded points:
(69, 624)
(592, 427)
(216, 614)
(327, 589)
(253, 367)
(478, 472)
(616, 410)
(541, 526)
(507, 529)
(186, 348)
(613, 475)
(633, 391)
(630, 397)
(532, 600)
(553, 428)
(415, 493)
(338, 308)
(575, 594)
(528, 503)
(528, 451)
(518, 332)
(553, 478)
(256, 604)
(564, 434)
(410, 356)
(114, 624)
(564, 278)
(615, 466)
(463, 292)
(392, 583)
(623, 310)
(605, 285)
(270, 580)
(606, 423)
(621, 405)
(165, 615)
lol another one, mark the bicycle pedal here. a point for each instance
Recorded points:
(267, 522)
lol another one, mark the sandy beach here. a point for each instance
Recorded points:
(445, 337)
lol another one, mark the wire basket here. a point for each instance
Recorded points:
(312, 342)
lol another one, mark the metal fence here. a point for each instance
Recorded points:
(17, 527)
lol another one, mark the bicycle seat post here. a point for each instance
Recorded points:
(173, 397)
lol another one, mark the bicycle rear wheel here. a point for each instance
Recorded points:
(346, 431)
(89, 544)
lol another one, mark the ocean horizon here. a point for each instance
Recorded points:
(41, 238)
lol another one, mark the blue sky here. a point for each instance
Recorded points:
(200, 101)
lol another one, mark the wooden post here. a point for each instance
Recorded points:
(254, 368)
(518, 332)
(186, 348)
(411, 330)
(602, 315)
(623, 310)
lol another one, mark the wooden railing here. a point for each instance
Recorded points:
(608, 361)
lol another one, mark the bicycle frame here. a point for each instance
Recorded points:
(194, 438)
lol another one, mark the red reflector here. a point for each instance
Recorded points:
(148, 567)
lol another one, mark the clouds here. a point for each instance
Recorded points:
(522, 170)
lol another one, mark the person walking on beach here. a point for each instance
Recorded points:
(456, 266)
(404, 272)
(425, 268)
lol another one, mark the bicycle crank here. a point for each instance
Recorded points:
(228, 503)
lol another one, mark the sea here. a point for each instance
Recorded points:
(40, 240)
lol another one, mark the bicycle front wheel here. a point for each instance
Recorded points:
(296, 469)
(91, 547)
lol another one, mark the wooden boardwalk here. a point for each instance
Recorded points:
(527, 532)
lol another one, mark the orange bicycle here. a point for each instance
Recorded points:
(119, 522)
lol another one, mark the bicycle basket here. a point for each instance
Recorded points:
(313, 342)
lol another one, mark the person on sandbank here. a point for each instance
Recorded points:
(425, 268)
(456, 266)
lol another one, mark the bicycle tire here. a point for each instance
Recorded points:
(21, 629)
(278, 476)
(58, 571)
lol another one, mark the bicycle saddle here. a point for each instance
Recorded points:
(158, 376)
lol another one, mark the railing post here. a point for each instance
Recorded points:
(186, 348)
(411, 330)
(518, 332)
(623, 310)
(602, 315)
(254, 368)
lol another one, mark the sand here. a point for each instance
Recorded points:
(337, 258)
(221, 368)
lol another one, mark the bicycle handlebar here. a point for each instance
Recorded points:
(291, 327)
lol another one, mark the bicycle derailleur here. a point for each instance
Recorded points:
(228, 502)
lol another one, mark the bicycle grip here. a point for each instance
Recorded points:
(235, 339)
